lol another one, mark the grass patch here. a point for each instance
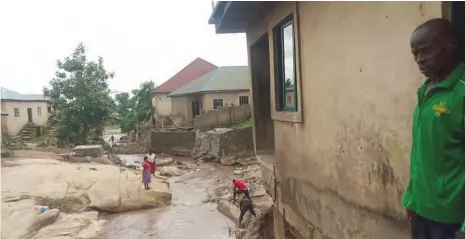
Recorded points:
(66, 204)
(243, 124)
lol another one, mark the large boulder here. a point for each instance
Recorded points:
(170, 171)
(164, 161)
(111, 195)
(230, 210)
(93, 151)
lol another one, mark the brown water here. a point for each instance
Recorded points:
(187, 218)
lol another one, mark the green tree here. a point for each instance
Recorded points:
(80, 97)
(137, 108)
(123, 103)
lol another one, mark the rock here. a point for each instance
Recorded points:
(69, 188)
(163, 162)
(230, 210)
(16, 198)
(253, 174)
(109, 195)
(262, 227)
(227, 161)
(82, 225)
(44, 219)
(94, 151)
(170, 171)
(91, 230)
(258, 192)
(158, 176)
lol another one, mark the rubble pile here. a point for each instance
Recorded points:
(260, 198)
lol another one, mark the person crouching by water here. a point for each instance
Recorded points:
(241, 188)
(245, 205)
(152, 158)
(146, 173)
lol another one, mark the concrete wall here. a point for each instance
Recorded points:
(182, 108)
(162, 104)
(175, 142)
(342, 160)
(237, 143)
(15, 124)
(222, 117)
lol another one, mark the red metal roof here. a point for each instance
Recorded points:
(194, 70)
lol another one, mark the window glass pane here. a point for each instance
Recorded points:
(288, 65)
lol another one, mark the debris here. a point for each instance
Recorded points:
(44, 208)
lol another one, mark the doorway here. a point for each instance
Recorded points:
(195, 108)
(261, 96)
(457, 17)
(29, 115)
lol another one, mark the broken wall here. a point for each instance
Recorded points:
(179, 143)
(222, 117)
(224, 145)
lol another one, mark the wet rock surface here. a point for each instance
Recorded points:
(69, 188)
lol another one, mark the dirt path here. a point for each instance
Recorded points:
(189, 216)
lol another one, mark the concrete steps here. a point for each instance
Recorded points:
(26, 133)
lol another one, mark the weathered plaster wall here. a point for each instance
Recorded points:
(162, 104)
(343, 169)
(227, 97)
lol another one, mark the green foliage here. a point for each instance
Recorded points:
(80, 98)
(135, 109)
(12, 143)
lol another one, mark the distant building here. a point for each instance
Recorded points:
(161, 103)
(224, 86)
(18, 110)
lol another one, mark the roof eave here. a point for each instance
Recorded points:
(236, 16)
(207, 92)
(17, 100)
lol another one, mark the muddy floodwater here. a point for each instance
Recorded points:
(189, 217)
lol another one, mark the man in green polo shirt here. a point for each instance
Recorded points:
(435, 196)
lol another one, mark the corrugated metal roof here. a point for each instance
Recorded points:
(7, 94)
(225, 78)
(195, 69)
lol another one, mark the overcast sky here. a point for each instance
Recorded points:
(139, 40)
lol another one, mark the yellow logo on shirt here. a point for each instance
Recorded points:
(440, 109)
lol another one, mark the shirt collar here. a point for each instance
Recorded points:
(452, 78)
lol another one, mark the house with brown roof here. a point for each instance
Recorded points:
(161, 103)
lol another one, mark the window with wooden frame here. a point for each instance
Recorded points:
(285, 66)
(243, 100)
(16, 111)
(217, 103)
(39, 110)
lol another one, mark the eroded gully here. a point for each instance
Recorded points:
(188, 216)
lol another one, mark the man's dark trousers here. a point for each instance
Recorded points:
(422, 228)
